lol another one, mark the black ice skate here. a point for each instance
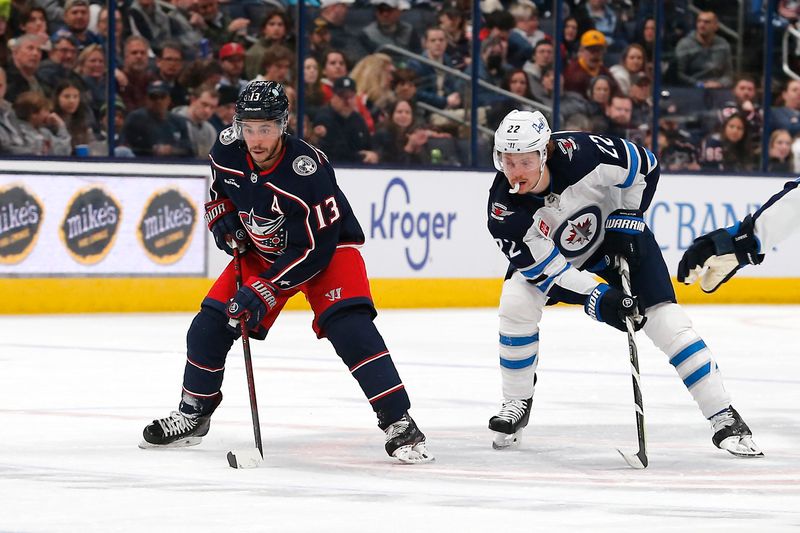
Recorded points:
(509, 423)
(732, 434)
(406, 443)
(185, 427)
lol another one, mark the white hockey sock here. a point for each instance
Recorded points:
(671, 331)
(518, 362)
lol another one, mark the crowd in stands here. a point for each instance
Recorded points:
(387, 81)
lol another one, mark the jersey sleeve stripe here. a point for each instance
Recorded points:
(312, 243)
(633, 165)
(538, 269)
(546, 283)
(225, 169)
(651, 160)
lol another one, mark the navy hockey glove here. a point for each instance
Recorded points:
(714, 258)
(609, 305)
(251, 303)
(223, 221)
(625, 236)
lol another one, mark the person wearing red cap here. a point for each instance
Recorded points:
(588, 64)
(231, 57)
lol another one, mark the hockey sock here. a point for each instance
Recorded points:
(357, 341)
(518, 362)
(208, 342)
(670, 329)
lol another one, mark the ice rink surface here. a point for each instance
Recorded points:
(76, 391)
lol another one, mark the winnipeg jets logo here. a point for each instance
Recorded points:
(567, 146)
(268, 234)
(334, 294)
(499, 211)
(304, 166)
(578, 233)
(253, 177)
(551, 200)
(539, 126)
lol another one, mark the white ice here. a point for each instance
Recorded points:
(76, 391)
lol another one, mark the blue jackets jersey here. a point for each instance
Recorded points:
(549, 238)
(295, 214)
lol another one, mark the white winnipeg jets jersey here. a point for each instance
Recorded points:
(779, 217)
(549, 238)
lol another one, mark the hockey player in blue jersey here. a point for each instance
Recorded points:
(275, 198)
(562, 207)
(714, 258)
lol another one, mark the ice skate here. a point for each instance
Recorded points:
(185, 427)
(406, 443)
(732, 434)
(509, 423)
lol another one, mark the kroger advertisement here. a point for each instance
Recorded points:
(101, 225)
(432, 224)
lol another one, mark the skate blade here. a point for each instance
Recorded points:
(247, 458)
(413, 454)
(506, 441)
(741, 447)
(182, 443)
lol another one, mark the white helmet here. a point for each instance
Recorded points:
(521, 132)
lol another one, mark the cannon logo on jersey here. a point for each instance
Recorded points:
(268, 234)
(21, 216)
(394, 220)
(90, 225)
(304, 166)
(165, 229)
(499, 211)
(578, 233)
(567, 146)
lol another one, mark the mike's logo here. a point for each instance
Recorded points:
(165, 229)
(400, 222)
(90, 225)
(21, 216)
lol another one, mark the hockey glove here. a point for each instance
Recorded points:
(714, 258)
(251, 303)
(625, 236)
(223, 221)
(609, 305)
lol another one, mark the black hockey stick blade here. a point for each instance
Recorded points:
(246, 458)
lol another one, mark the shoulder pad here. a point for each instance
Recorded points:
(227, 136)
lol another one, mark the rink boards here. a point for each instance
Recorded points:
(81, 236)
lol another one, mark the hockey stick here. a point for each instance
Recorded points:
(639, 459)
(247, 458)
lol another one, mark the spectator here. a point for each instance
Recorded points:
(526, 16)
(33, 22)
(203, 101)
(25, 60)
(515, 82)
(704, 58)
(676, 150)
(91, 67)
(226, 108)
(728, 150)
(44, 131)
(102, 31)
(274, 31)
(215, 25)
(169, 65)
(642, 97)
(201, 71)
(231, 57)
(745, 102)
(787, 116)
(434, 87)
(646, 37)
(185, 24)
(780, 153)
(598, 15)
(516, 50)
(619, 111)
(387, 28)
(277, 61)
(11, 138)
(60, 64)
(149, 19)
(391, 138)
(404, 86)
(76, 22)
(453, 23)
(632, 62)
(315, 98)
(542, 60)
(76, 115)
(343, 134)
(153, 131)
(588, 64)
(570, 42)
(99, 148)
(320, 40)
(334, 67)
(373, 77)
(334, 13)
(136, 76)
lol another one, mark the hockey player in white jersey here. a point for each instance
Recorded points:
(562, 207)
(715, 257)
